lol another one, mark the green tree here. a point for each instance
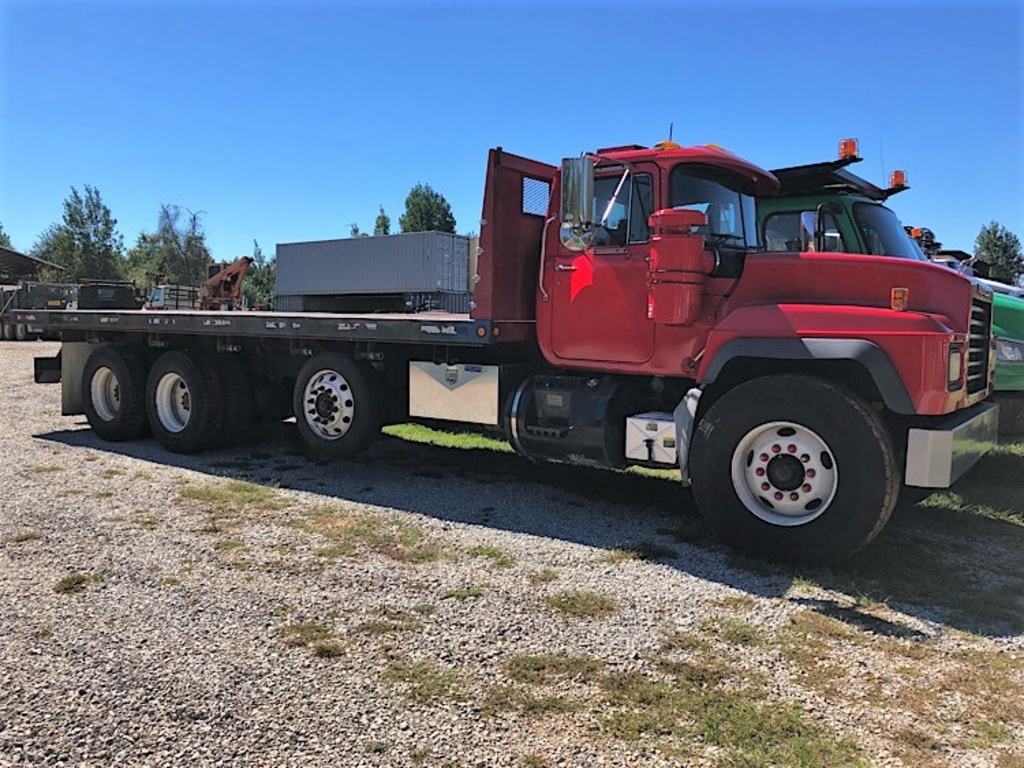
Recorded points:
(86, 243)
(5, 240)
(382, 226)
(260, 285)
(182, 245)
(426, 211)
(1001, 249)
(144, 259)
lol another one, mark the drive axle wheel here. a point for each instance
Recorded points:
(113, 393)
(21, 332)
(336, 412)
(185, 403)
(794, 467)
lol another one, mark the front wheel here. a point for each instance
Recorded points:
(794, 467)
(336, 410)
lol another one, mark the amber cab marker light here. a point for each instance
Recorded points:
(898, 179)
(848, 148)
(899, 298)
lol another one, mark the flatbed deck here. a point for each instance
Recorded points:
(426, 327)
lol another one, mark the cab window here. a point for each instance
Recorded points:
(784, 232)
(722, 196)
(627, 218)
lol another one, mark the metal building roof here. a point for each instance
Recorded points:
(16, 264)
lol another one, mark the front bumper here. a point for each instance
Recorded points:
(939, 455)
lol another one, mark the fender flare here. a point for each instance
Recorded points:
(865, 353)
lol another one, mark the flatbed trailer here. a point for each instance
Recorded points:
(797, 393)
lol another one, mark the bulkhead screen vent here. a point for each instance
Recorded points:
(536, 196)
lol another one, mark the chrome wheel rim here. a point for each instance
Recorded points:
(173, 402)
(784, 473)
(105, 391)
(328, 405)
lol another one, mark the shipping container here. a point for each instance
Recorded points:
(415, 262)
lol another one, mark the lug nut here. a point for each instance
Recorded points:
(778, 496)
(794, 496)
(811, 473)
(806, 488)
(759, 471)
(776, 448)
(765, 487)
(791, 448)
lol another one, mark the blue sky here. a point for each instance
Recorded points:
(289, 121)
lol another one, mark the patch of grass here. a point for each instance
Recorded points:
(735, 602)
(230, 545)
(44, 633)
(546, 668)
(43, 469)
(744, 726)
(417, 433)
(420, 755)
(20, 538)
(425, 681)
(304, 634)
(543, 576)
(328, 649)
(733, 631)
(351, 533)
(108, 474)
(497, 557)
(234, 496)
(583, 603)
(618, 555)
(464, 593)
(676, 640)
(76, 582)
(170, 581)
(104, 495)
(389, 620)
(506, 698)
(90, 457)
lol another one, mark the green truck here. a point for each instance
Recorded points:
(825, 207)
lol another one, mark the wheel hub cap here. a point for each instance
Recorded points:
(328, 406)
(784, 473)
(106, 394)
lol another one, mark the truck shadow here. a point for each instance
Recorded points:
(939, 562)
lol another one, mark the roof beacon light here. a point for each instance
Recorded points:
(848, 148)
(667, 145)
(898, 179)
(899, 298)
(916, 233)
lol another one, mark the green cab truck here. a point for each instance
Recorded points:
(825, 207)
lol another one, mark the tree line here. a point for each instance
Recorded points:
(86, 245)
(995, 244)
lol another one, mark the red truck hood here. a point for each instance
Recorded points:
(852, 280)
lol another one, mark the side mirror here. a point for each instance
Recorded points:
(577, 227)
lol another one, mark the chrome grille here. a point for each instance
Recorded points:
(979, 344)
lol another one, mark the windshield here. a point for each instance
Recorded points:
(882, 232)
(713, 192)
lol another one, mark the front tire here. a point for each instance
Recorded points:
(184, 403)
(794, 467)
(114, 393)
(336, 410)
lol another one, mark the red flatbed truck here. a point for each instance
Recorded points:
(624, 314)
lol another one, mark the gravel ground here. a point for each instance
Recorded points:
(174, 649)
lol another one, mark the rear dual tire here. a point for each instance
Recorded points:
(185, 403)
(113, 393)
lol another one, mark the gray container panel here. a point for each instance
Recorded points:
(288, 304)
(417, 262)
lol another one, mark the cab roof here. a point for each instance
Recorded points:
(667, 154)
(830, 178)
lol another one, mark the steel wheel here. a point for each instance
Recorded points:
(105, 393)
(328, 406)
(173, 402)
(337, 408)
(784, 473)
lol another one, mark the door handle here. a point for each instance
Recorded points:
(565, 268)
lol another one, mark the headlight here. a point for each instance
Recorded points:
(1009, 351)
(955, 367)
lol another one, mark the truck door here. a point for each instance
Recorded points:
(599, 296)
